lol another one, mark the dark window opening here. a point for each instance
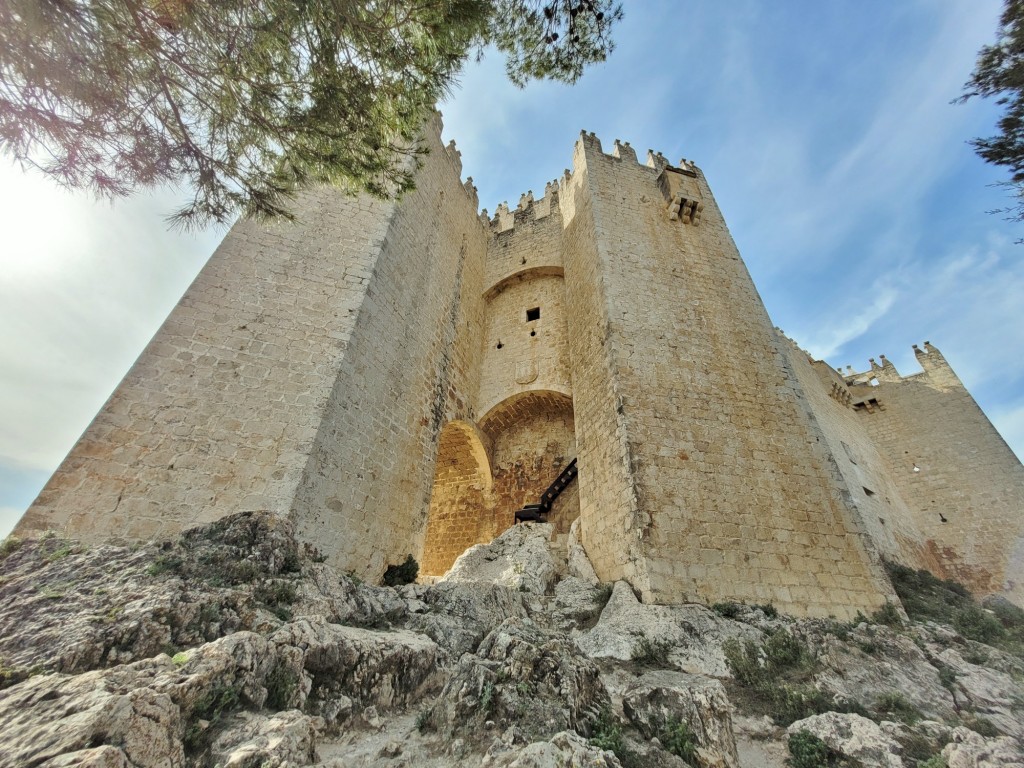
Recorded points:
(532, 314)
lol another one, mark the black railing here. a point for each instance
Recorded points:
(539, 512)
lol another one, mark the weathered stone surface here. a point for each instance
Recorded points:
(519, 558)
(691, 634)
(563, 750)
(894, 665)
(253, 740)
(373, 668)
(989, 692)
(521, 674)
(461, 614)
(853, 736)
(579, 564)
(100, 757)
(662, 698)
(49, 716)
(971, 750)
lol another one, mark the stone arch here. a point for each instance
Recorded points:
(459, 497)
(533, 437)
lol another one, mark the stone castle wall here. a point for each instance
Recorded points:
(399, 377)
(963, 485)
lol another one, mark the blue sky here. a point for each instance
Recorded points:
(825, 130)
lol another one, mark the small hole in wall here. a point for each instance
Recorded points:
(868, 491)
(881, 520)
(533, 333)
(523, 261)
(532, 314)
(942, 519)
(499, 345)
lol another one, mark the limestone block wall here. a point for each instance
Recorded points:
(962, 483)
(737, 495)
(411, 366)
(865, 471)
(608, 502)
(220, 411)
(525, 346)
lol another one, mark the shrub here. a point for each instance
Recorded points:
(211, 706)
(728, 610)
(888, 614)
(807, 751)
(898, 706)
(406, 573)
(982, 726)
(9, 546)
(277, 596)
(768, 610)
(169, 563)
(976, 623)
(282, 683)
(774, 678)
(651, 653)
(678, 739)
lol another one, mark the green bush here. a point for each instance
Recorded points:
(678, 739)
(926, 597)
(775, 678)
(889, 615)
(898, 707)
(9, 546)
(982, 725)
(211, 707)
(727, 610)
(162, 564)
(282, 683)
(406, 573)
(807, 751)
(651, 653)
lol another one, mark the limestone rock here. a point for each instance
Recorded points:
(519, 558)
(579, 564)
(261, 741)
(373, 668)
(342, 599)
(691, 635)
(992, 693)
(521, 675)
(853, 736)
(661, 697)
(564, 750)
(100, 757)
(461, 614)
(971, 750)
(56, 716)
(895, 664)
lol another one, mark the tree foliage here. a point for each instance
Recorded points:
(999, 74)
(245, 100)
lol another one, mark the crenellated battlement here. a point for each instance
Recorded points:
(528, 210)
(929, 358)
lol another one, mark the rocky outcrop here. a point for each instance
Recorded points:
(853, 736)
(519, 559)
(233, 646)
(661, 700)
(690, 636)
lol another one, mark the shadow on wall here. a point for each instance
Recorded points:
(483, 474)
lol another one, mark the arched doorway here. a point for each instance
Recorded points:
(533, 437)
(459, 499)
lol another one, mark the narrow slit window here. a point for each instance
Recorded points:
(532, 314)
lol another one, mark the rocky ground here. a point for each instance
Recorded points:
(232, 646)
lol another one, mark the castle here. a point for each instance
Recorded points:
(401, 376)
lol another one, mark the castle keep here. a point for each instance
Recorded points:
(401, 376)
